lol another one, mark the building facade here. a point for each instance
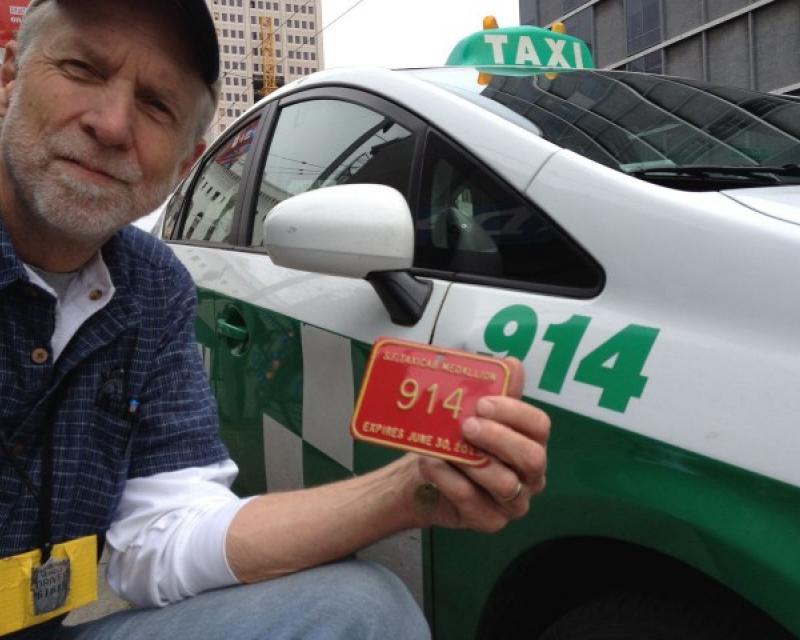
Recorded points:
(297, 45)
(754, 44)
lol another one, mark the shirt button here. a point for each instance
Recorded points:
(39, 356)
(95, 295)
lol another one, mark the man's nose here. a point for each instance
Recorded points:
(110, 118)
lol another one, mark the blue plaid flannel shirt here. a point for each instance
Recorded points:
(140, 346)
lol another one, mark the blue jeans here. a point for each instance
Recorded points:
(348, 600)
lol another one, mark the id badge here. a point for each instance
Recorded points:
(32, 593)
(415, 397)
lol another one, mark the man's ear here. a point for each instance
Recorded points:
(8, 76)
(189, 161)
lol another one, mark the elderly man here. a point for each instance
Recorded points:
(107, 425)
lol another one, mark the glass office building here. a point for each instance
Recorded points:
(754, 44)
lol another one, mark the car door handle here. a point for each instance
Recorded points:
(231, 331)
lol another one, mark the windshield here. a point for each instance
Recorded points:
(641, 123)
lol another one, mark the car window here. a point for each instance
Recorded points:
(320, 143)
(470, 223)
(216, 191)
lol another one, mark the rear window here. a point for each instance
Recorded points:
(643, 123)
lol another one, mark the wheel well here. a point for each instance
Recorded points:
(549, 580)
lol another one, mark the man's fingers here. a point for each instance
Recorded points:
(516, 414)
(525, 457)
(466, 505)
(516, 381)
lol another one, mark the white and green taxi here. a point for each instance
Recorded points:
(634, 239)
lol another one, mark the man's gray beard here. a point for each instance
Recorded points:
(82, 212)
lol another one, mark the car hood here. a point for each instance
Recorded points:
(778, 202)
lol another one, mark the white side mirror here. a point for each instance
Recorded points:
(346, 230)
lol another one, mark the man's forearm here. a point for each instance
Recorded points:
(280, 533)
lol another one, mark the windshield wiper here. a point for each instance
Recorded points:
(708, 171)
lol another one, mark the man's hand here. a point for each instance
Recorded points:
(486, 498)
(280, 533)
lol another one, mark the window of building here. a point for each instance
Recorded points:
(321, 143)
(305, 24)
(310, 25)
(649, 63)
(291, 54)
(643, 22)
(290, 38)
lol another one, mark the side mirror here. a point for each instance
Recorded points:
(348, 230)
(355, 231)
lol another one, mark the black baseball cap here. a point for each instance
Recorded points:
(193, 18)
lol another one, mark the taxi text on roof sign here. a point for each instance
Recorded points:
(522, 48)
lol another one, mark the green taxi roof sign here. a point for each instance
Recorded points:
(524, 48)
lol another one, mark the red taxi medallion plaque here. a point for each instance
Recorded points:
(416, 397)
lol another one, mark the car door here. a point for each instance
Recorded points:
(309, 335)
(508, 262)
(201, 225)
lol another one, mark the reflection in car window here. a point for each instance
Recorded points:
(469, 223)
(634, 122)
(321, 143)
(217, 189)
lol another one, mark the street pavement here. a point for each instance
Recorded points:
(106, 602)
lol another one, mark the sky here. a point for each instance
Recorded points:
(404, 33)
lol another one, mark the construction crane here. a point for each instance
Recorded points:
(268, 56)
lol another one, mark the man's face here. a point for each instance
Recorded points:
(101, 120)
